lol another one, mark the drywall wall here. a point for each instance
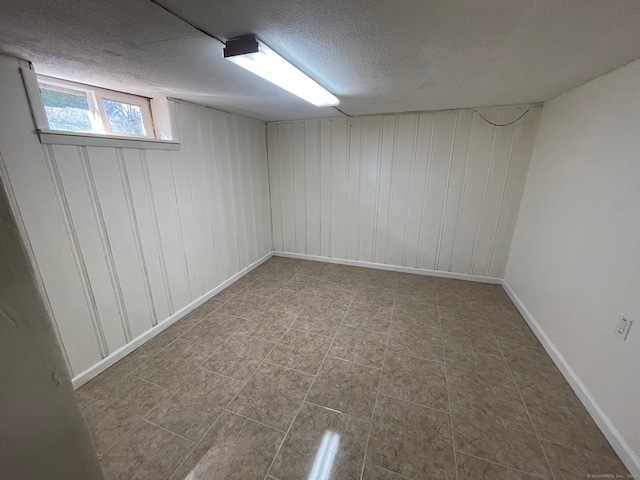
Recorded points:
(575, 259)
(437, 191)
(43, 432)
(123, 238)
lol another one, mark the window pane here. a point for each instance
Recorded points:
(66, 109)
(124, 117)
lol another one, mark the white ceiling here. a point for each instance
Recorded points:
(376, 56)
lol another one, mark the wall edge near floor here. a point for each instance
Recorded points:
(617, 441)
(125, 350)
(392, 268)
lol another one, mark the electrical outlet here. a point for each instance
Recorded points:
(624, 325)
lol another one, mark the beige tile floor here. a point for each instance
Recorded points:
(307, 370)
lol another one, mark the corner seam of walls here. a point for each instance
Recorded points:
(266, 148)
(524, 189)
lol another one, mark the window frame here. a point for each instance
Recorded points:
(95, 95)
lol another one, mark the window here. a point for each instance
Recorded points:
(72, 107)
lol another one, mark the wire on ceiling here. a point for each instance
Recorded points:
(501, 124)
(188, 22)
(155, 2)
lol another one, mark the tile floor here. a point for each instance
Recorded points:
(311, 371)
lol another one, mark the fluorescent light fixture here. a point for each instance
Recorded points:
(253, 55)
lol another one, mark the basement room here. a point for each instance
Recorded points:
(319, 240)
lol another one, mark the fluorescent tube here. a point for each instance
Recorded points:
(267, 64)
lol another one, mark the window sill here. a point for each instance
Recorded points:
(54, 137)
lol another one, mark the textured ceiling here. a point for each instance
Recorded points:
(376, 56)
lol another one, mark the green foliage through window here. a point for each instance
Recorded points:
(124, 117)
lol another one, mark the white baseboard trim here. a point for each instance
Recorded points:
(392, 268)
(617, 441)
(125, 350)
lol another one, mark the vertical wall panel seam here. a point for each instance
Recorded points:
(209, 184)
(464, 187)
(250, 223)
(156, 228)
(359, 198)
(330, 187)
(504, 189)
(378, 183)
(204, 249)
(241, 200)
(184, 249)
(269, 176)
(319, 170)
(136, 235)
(17, 214)
(266, 146)
(304, 190)
(219, 188)
(183, 154)
(253, 156)
(280, 184)
(426, 188)
(446, 193)
(293, 191)
(266, 240)
(348, 189)
(72, 236)
(236, 207)
(413, 169)
(484, 195)
(391, 185)
(247, 193)
(106, 243)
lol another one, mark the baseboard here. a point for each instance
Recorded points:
(617, 441)
(122, 352)
(392, 268)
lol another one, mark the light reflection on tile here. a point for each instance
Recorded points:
(322, 440)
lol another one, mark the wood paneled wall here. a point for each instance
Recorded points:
(123, 238)
(437, 191)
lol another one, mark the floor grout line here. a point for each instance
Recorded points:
(133, 374)
(208, 370)
(446, 379)
(526, 408)
(472, 300)
(336, 411)
(416, 404)
(252, 419)
(534, 475)
(168, 431)
(225, 409)
(375, 403)
(289, 368)
(413, 356)
(357, 363)
(399, 475)
(305, 397)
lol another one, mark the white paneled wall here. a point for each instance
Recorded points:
(153, 230)
(437, 191)
(123, 238)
